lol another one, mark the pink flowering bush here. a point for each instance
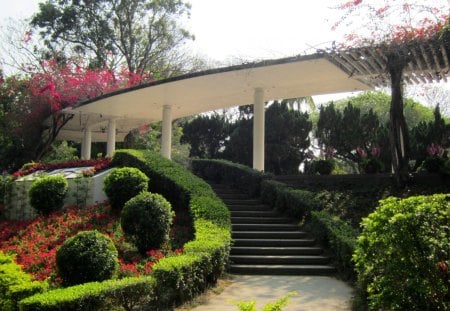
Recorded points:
(369, 161)
(434, 163)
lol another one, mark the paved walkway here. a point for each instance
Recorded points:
(314, 293)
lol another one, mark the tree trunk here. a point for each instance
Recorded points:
(398, 136)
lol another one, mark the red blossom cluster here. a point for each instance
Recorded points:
(35, 242)
(98, 164)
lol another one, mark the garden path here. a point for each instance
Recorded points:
(314, 293)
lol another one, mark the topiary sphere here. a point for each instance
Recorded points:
(146, 221)
(124, 183)
(87, 257)
(47, 193)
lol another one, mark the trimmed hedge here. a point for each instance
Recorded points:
(338, 236)
(15, 284)
(293, 203)
(126, 292)
(236, 175)
(204, 259)
(47, 193)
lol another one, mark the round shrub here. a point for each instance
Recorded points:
(47, 194)
(146, 221)
(87, 257)
(402, 255)
(124, 183)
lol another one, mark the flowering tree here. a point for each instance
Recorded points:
(34, 105)
(415, 22)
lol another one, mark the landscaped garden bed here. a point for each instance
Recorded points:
(194, 257)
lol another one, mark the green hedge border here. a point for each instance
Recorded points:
(332, 232)
(174, 279)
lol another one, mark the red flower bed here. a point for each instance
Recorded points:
(98, 164)
(35, 242)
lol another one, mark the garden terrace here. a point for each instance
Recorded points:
(173, 279)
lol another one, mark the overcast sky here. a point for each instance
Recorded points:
(247, 29)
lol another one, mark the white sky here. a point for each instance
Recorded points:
(247, 30)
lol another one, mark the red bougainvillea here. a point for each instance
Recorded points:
(394, 21)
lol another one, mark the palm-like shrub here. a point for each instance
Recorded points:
(47, 194)
(146, 221)
(87, 257)
(124, 183)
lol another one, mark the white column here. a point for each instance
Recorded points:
(86, 144)
(166, 137)
(111, 142)
(258, 130)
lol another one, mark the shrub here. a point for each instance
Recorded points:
(433, 164)
(108, 295)
(295, 203)
(15, 284)
(86, 257)
(338, 236)
(269, 191)
(47, 193)
(323, 167)
(403, 252)
(146, 221)
(124, 183)
(236, 175)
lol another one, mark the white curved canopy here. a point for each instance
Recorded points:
(214, 89)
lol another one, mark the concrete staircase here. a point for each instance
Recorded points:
(267, 243)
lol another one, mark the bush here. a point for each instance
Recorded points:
(15, 284)
(146, 221)
(338, 236)
(403, 252)
(124, 183)
(108, 295)
(236, 175)
(433, 164)
(323, 167)
(47, 193)
(86, 257)
(295, 203)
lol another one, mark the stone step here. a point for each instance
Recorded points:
(264, 227)
(233, 196)
(254, 213)
(273, 242)
(269, 234)
(266, 250)
(253, 207)
(280, 259)
(242, 202)
(282, 269)
(259, 220)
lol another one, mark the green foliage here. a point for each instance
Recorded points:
(61, 152)
(146, 220)
(5, 188)
(296, 203)
(403, 252)
(47, 193)
(124, 183)
(236, 175)
(15, 284)
(86, 257)
(338, 236)
(206, 135)
(125, 294)
(323, 167)
(101, 31)
(425, 133)
(287, 139)
(177, 279)
(433, 164)
(271, 306)
(348, 128)
(206, 207)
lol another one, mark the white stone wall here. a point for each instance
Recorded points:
(83, 191)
